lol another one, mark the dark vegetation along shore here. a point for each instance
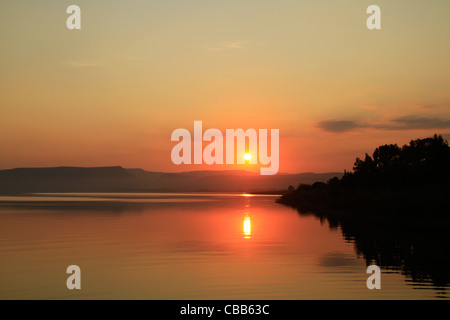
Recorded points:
(412, 181)
(394, 208)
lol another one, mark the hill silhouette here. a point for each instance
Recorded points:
(118, 179)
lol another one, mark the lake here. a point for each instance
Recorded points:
(187, 246)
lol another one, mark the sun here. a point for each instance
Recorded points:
(247, 156)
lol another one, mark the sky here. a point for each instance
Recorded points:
(113, 92)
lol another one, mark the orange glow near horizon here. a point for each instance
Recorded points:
(77, 101)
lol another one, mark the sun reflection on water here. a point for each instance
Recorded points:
(247, 226)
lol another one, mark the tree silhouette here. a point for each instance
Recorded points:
(413, 178)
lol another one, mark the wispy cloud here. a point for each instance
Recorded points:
(367, 107)
(236, 45)
(413, 122)
(426, 107)
(400, 123)
(101, 61)
(337, 125)
(220, 46)
(81, 64)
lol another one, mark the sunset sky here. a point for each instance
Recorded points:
(113, 92)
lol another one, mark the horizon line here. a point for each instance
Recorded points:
(180, 172)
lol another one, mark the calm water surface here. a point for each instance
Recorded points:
(181, 246)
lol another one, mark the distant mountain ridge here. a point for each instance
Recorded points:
(118, 179)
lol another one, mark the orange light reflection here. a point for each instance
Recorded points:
(247, 227)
